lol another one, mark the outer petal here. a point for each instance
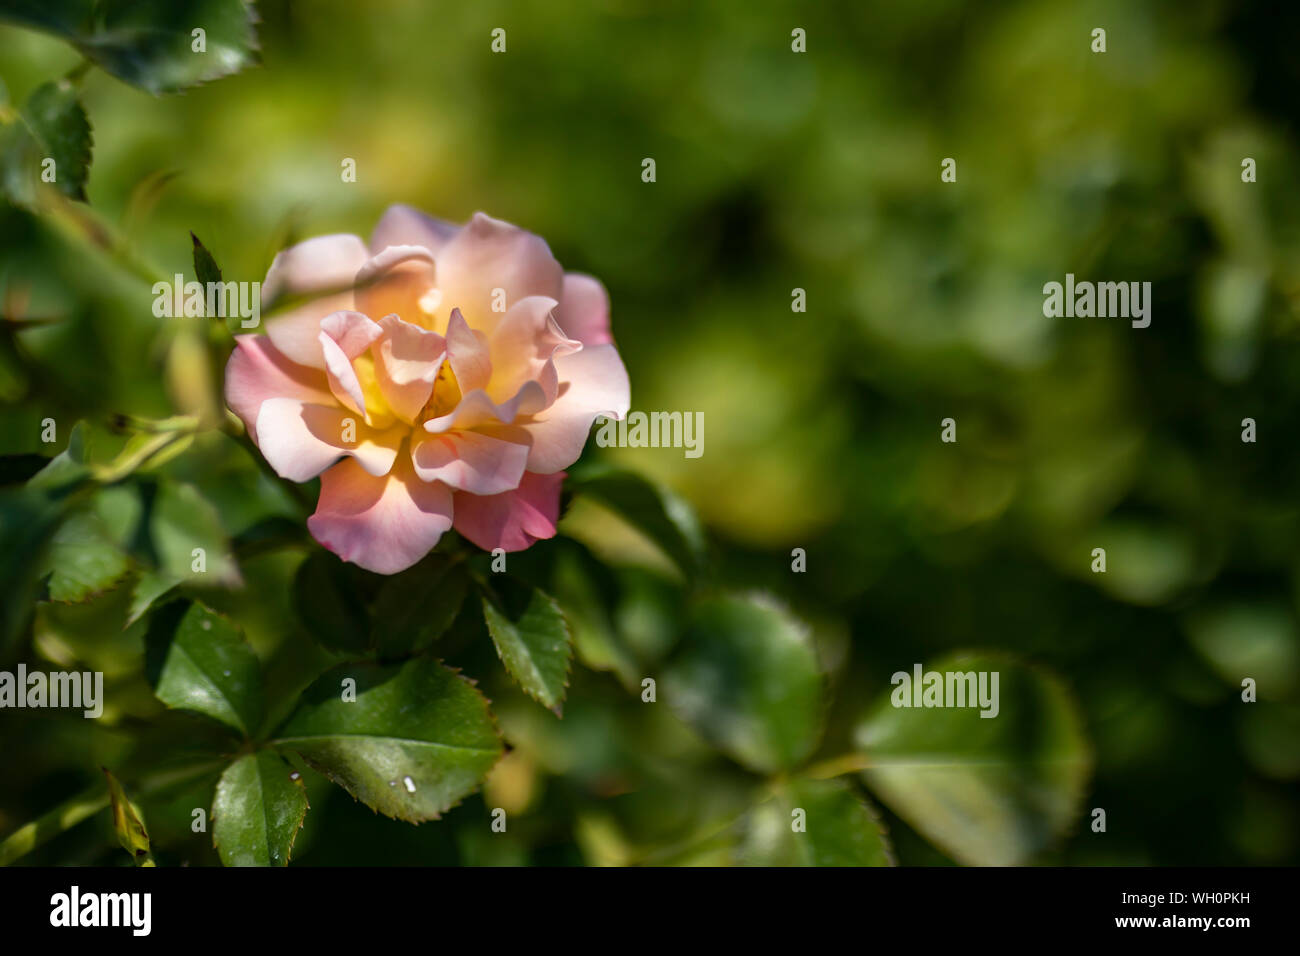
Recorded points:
(320, 265)
(300, 440)
(515, 519)
(584, 310)
(399, 280)
(490, 254)
(257, 371)
(470, 461)
(384, 524)
(593, 383)
(404, 226)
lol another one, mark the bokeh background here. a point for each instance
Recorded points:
(777, 171)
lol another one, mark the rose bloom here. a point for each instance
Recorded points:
(444, 376)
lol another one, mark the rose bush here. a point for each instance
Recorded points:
(440, 377)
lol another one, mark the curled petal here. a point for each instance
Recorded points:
(469, 353)
(514, 519)
(382, 523)
(300, 440)
(403, 226)
(584, 310)
(489, 254)
(324, 268)
(593, 385)
(470, 461)
(476, 409)
(343, 337)
(258, 371)
(523, 346)
(399, 280)
(408, 362)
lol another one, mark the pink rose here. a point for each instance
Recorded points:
(443, 377)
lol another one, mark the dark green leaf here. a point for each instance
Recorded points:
(416, 740)
(414, 608)
(986, 790)
(199, 661)
(329, 598)
(205, 267)
(83, 558)
(258, 809)
(60, 131)
(532, 638)
(28, 519)
(188, 538)
(149, 43)
(746, 677)
(836, 828)
(661, 515)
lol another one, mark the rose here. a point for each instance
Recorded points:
(443, 377)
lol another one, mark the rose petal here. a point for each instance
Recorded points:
(319, 265)
(407, 362)
(402, 225)
(344, 336)
(584, 310)
(523, 346)
(469, 354)
(476, 409)
(514, 519)
(301, 440)
(490, 254)
(470, 461)
(399, 280)
(593, 384)
(257, 371)
(384, 524)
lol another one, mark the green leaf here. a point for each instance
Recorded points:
(836, 828)
(415, 608)
(83, 558)
(127, 824)
(68, 467)
(183, 522)
(205, 267)
(59, 130)
(88, 554)
(664, 517)
(199, 661)
(746, 677)
(258, 810)
(149, 43)
(28, 519)
(329, 596)
(417, 739)
(986, 790)
(532, 639)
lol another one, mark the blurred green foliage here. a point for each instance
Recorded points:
(775, 171)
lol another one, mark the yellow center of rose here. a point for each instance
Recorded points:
(378, 412)
(446, 393)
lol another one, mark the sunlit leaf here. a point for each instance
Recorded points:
(746, 677)
(417, 739)
(258, 810)
(532, 638)
(986, 790)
